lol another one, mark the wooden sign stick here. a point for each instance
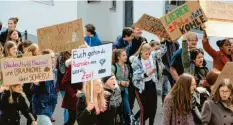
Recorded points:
(92, 89)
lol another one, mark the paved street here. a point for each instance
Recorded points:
(58, 115)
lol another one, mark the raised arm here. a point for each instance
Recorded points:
(186, 61)
(207, 47)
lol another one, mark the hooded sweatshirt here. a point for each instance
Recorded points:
(93, 41)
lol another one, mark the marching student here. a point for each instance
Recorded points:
(10, 49)
(176, 67)
(178, 103)
(114, 112)
(61, 70)
(12, 23)
(91, 38)
(13, 36)
(124, 40)
(211, 78)
(89, 113)
(193, 62)
(219, 108)
(44, 98)
(145, 82)
(220, 58)
(122, 72)
(70, 99)
(12, 101)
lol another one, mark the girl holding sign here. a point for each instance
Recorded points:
(12, 101)
(145, 82)
(88, 113)
(44, 98)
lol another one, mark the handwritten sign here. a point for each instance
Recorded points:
(226, 72)
(215, 28)
(61, 37)
(152, 25)
(217, 9)
(91, 63)
(26, 69)
(182, 19)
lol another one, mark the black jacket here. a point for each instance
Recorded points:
(10, 112)
(114, 113)
(84, 117)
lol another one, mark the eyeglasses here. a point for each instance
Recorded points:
(225, 92)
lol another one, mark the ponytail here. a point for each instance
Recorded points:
(138, 53)
(115, 54)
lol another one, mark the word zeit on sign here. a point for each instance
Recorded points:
(91, 63)
(184, 24)
(27, 69)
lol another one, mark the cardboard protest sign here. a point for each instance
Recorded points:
(216, 28)
(226, 73)
(91, 63)
(217, 9)
(152, 25)
(61, 37)
(26, 69)
(182, 19)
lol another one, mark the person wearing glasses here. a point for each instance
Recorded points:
(218, 110)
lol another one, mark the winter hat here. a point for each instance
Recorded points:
(105, 79)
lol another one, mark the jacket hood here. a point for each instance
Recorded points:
(132, 58)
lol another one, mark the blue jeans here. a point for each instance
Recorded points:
(66, 114)
(43, 120)
(166, 86)
(126, 106)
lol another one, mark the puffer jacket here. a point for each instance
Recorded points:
(10, 112)
(114, 113)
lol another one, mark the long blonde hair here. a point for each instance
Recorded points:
(11, 100)
(101, 106)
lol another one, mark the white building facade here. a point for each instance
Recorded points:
(109, 17)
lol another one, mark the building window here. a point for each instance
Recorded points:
(47, 2)
(172, 4)
(114, 4)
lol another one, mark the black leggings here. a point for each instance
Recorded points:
(147, 101)
(72, 118)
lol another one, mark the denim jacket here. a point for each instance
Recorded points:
(138, 73)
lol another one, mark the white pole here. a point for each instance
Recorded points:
(92, 101)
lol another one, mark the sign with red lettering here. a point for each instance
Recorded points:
(26, 69)
(91, 63)
(182, 19)
(61, 37)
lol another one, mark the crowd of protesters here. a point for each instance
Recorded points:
(190, 93)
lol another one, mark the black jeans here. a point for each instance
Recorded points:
(147, 101)
(72, 117)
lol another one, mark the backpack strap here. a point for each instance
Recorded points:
(115, 66)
